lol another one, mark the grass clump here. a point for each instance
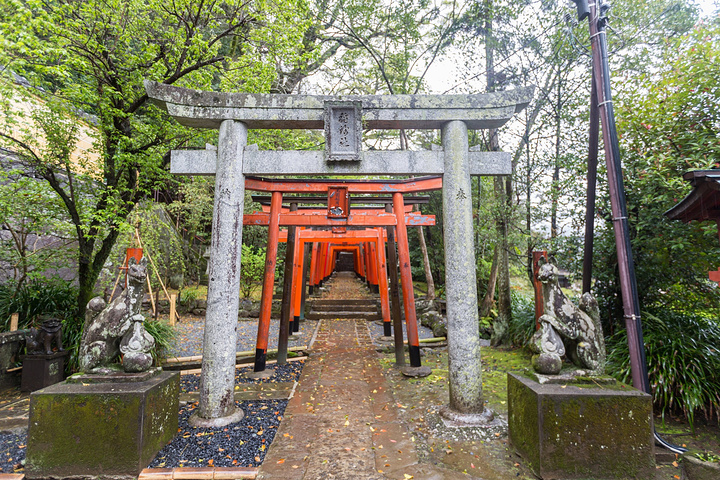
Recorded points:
(39, 296)
(683, 358)
(522, 324)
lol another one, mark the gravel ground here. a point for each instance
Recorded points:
(376, 331)
(290, 372)
(191, 330)
(12, 452)
(241, 444)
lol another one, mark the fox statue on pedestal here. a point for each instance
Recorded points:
(566, 328)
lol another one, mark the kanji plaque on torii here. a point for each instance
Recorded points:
(234, 113)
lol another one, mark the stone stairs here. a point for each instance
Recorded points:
(344, 309)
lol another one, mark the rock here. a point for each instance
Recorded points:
(434, 321)
(547, 363)
(423, 305)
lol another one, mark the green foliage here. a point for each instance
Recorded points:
(522, 322)
(668, 122)
(708, 457)
(164, 336)
(188, 296)
(38, 296)
(161, 241)
(94, 57)
(38, 231)
(683, 360)
(252, 269)
(72, 335)
(192, 211)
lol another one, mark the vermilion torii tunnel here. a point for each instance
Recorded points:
(367, 244)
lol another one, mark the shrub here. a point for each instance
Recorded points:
(188, 296)
(164, 336)
(252, 269)
(683, 359)
(522, 323)
(39, 296)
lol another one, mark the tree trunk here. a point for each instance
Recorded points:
(421, 237)
(556, 167)
(503, 189)
(502, 321)
(426, 265)
(489, 298)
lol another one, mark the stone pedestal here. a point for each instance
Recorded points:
(10, 343)
(40, 371)
(100, 429)
(581, 430)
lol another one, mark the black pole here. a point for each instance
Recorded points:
(285, 327)
(591, 184)
(628, 282)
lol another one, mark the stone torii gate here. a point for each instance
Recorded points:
(343, 118)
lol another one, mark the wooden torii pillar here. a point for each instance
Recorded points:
(276, 218)
(298, 278)
(344, 118)
(351, 241)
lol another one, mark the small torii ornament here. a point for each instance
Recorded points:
(714, 275)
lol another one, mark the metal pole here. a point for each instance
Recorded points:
(591, 183)
(628, 286)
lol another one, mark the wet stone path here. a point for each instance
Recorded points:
(342, 422)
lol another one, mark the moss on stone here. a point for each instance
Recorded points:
(100, 429)
(581, 432)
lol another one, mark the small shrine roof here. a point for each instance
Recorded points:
(703, 202)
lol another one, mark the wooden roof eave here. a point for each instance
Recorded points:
(703, 202)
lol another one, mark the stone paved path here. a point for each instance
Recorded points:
(342, 422)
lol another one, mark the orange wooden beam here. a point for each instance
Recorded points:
(322, 220)
(422, 184)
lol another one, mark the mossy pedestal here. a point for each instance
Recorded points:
(108, 430)
(581, 431)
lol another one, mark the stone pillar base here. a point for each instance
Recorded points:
(581, 430)
(101, 429)
(40, 371)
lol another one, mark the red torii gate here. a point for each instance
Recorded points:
(369, 264)
(339, 217)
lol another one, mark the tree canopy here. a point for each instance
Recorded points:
(93, 56)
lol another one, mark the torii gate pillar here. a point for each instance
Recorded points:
(218, 365)
(464, 366)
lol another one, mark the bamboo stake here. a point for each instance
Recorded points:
(152, 300)
(157, 272)
(173, 298)
(117, 280)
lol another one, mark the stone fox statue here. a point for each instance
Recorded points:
(565, 328)
(39, 341)
(118, 327)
